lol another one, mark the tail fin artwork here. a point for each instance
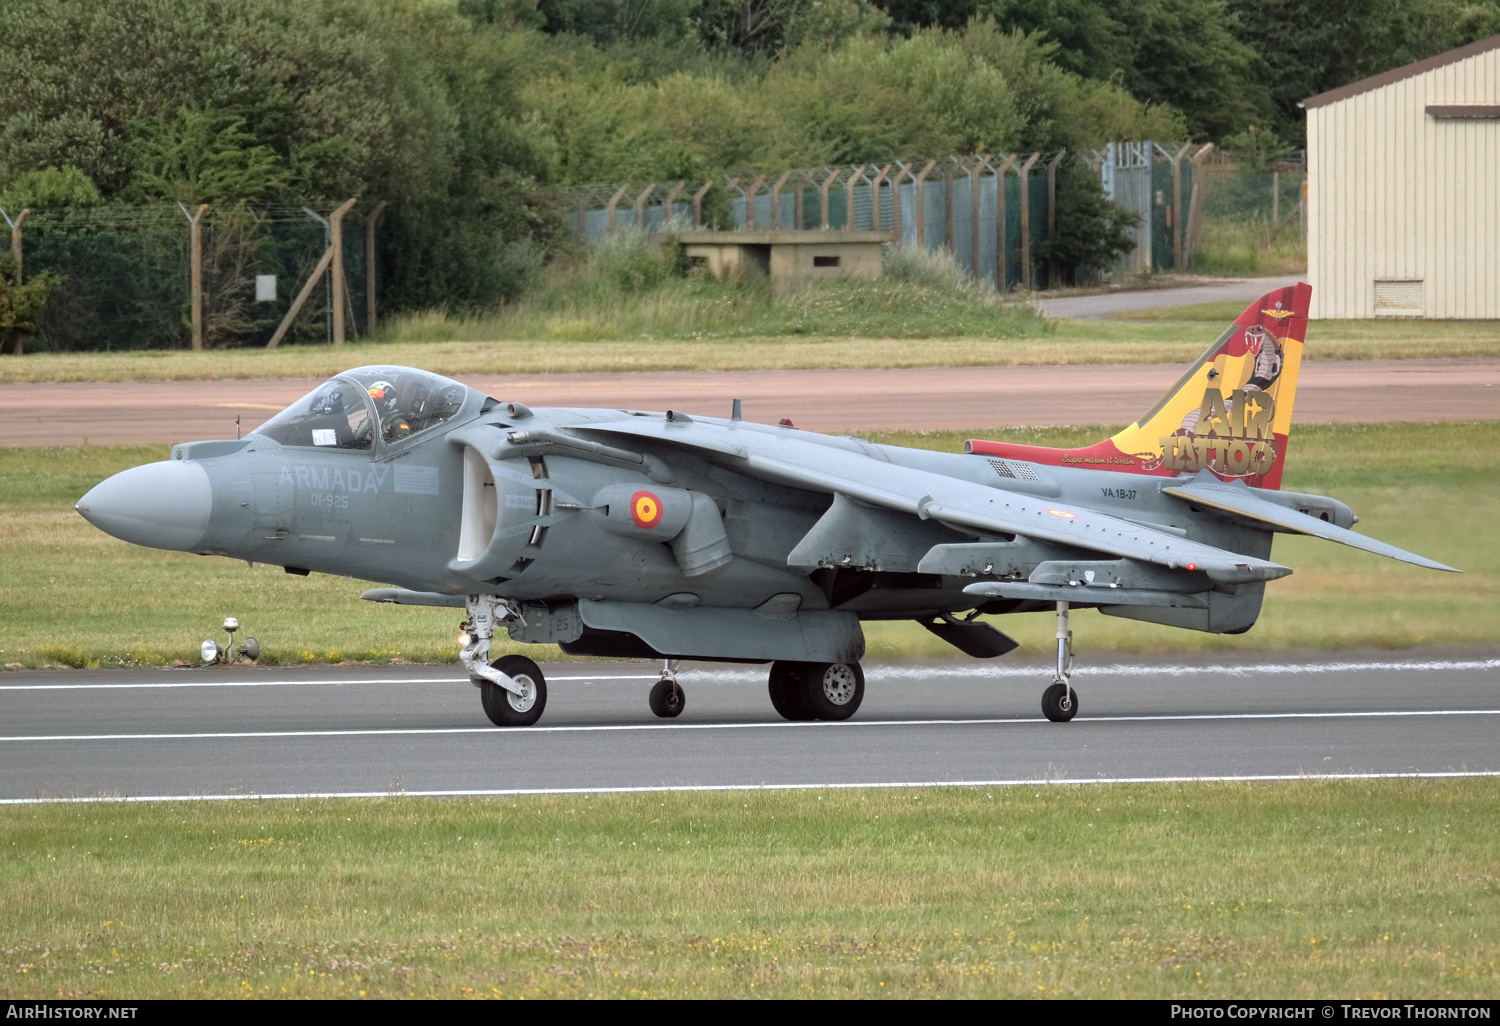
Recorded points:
(1230, 413)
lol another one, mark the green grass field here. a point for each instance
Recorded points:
(74, 596)
(454, 346)
(1358, 889)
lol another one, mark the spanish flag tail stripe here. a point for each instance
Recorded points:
(1230, 413)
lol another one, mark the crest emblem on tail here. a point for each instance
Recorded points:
(1231, 413)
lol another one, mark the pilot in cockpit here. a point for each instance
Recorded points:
(394, 425)
(335, 414)
(415, 402)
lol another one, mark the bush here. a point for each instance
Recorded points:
(933, 269)
(631, 261)
(50, 187)
(1090, 227)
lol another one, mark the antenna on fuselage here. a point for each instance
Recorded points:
(734, 414)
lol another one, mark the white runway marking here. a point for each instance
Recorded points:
(877, 673)
(522, 732)
(872, 673)
(457, 679)
(888, 785)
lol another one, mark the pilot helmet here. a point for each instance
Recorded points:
(384, 394)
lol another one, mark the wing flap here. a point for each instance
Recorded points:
(1237, 499)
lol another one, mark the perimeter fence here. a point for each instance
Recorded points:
(1252, 216)
(271, 274)
(127, 276)
(993, 212)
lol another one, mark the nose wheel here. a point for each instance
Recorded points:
(522, 706)
(1060, 701)
(666, 698)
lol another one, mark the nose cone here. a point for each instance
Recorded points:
(162, 505)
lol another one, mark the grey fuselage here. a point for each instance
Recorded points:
(535, 507)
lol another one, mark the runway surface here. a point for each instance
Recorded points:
(921, 399)
(231, 732)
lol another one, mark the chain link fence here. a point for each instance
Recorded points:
(994, 212)
(1254, 219)
(977, 207)
(127, 280)
(126, 275)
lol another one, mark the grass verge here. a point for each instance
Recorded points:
(1116, 891)
(74, 596)
(1242, 246)
(465, 347)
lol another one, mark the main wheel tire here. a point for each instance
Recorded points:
(1052, 703)
(785, 685)
(832, 691)
(666, 699)
(506, 708)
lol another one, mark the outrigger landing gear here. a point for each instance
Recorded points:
(666, 698)
(1060, 701)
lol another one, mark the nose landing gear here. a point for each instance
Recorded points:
(512, 688)
(1060, 701)
(666, 698)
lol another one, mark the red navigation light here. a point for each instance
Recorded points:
(1192, 566)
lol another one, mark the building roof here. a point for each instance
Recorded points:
(1386, 78)
(834, 237)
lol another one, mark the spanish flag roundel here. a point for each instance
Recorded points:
(645, 509)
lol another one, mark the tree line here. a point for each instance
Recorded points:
(471, 117)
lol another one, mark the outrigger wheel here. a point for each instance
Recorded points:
(666, 698)
(816, 691)
(1055, 708)
(1060, 701)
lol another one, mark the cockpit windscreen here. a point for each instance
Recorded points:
(408, 402)
(347, 411)
(334, 415)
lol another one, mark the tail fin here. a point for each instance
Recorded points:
(1230, 413)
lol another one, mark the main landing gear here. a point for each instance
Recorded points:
(666, 698)
(1060, 701)
(816, 691)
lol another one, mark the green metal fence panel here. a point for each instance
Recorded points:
(1161, 217)
(125, 275)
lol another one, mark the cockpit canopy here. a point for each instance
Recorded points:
(349, 411)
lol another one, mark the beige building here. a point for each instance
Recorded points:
(1404, 191)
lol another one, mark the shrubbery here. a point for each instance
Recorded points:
(471, 117)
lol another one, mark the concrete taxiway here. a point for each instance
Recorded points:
(920, 398)
(232, 732)
(1109, 302)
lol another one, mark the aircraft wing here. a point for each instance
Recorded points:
(800, 462)
(1235, 498)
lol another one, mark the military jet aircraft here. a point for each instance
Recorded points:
(624, 533)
